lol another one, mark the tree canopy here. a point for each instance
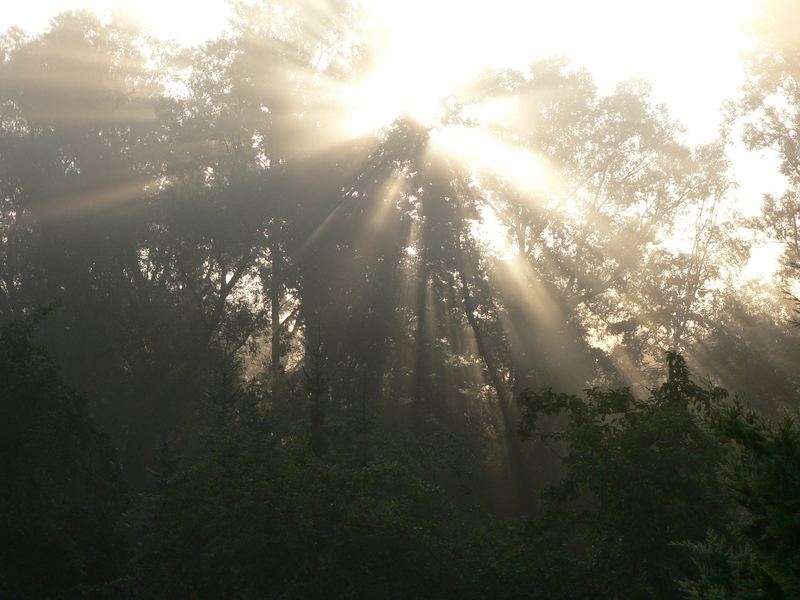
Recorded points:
(426, 360)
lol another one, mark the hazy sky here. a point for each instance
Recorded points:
(190, 21)
(689, 49)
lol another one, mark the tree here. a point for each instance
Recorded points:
(639, 475)
(63, 498)
(758, 555)
(769, 111)
(592, 231)
(265, 515)
(749, 348)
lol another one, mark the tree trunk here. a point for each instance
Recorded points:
(511, 437)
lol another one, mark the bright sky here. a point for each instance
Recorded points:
(689, 49)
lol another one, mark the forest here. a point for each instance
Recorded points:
(252, 349)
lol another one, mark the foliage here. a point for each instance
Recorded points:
(762, 558)
(62, 500)
(749, 346)
(639, 474)
(264, 516)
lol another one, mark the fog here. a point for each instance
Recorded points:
(333, 299)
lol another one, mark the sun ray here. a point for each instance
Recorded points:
(481, 150)
(105, 200)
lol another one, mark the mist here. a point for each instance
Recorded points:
(312, 309)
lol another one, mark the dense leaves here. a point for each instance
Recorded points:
(62, 501)
(760, 557)
(256, 511)
(639, 473)
(264, 517)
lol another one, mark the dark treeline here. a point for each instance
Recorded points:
(245, 353)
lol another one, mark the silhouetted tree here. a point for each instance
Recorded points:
(62, 502)
(639, 475)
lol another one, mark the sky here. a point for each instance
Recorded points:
(690, 50)
(178, 19)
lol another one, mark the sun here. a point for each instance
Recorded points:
(425, 50)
